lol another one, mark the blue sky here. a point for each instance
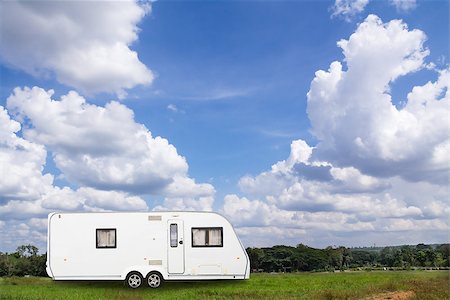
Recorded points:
(226, 84)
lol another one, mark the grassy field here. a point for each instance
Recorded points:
(351, 285)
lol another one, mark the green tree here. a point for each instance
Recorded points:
(398, 258)
(387, 256)
(421, 257)
(431, 257)
(408, 256)
(255, 255)
(444, 250)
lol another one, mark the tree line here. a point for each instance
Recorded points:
(304, 258)
(26, 260)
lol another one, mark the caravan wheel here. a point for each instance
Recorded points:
(154, 280)
(134, 280)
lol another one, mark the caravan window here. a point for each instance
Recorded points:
(207, 237)
(173, 235)
(106, 238)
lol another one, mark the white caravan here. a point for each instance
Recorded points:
(143, 247)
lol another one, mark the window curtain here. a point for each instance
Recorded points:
(215, 237)
(198, 237)
(106, 238)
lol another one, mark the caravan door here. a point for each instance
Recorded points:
(175, 257)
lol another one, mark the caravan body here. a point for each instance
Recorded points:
(138, 247)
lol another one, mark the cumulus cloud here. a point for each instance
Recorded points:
(15, 233)
(410, 225)
(351, 180)
(28, 196)
(89, 199)
(103, 147)
(347, 9)
(256, 213)
(108, 158)
(353, 116)
(376, 168)
(21, 164)
(182, 186)
(21, 212)
(257, 236)
(263, 224)
(346, 190)
(67, 199)
(85, 45)
(242, 211)
(280, 176)
(309, 175)
(186, 204)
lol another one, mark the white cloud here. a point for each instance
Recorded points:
(411, 225)
(348, 8)
(15, 233)
(376, 169)
(349, 201)
(353, 116)
(391, 47)
(312, 197)
(98, 143)
(83, 44)
(89, 199)
(281, 174)
(21, 164)
(245, 212)
(258, 236)
(404, 5)
(255, 213)
(103, 147)
(111, 200)
(19, 232)
(298, 170)
(61, 199)
(182, 186)
(262, 224)
(172, 108)
(351, 180)
(186, 204)
(342, 189)
(66, 199)
(20, 209)
(266, 183)
(84, 140)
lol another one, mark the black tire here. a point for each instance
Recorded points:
(154, 280)
(134, 280)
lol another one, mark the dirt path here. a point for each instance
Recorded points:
(400, 295)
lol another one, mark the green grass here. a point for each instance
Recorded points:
(351, 285)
